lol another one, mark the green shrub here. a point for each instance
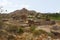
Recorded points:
(1, 24)
(42, 31)
(36, 33)
(12, 29)
(32, 28)
(20, 31)
(50, 34)
(39, 32)
(11, 37)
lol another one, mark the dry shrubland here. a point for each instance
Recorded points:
(28, 25)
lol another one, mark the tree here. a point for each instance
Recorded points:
(38, 16)
(2, 10)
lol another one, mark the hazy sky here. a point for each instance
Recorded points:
(38, 5)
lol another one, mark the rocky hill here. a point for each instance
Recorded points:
(28, 25)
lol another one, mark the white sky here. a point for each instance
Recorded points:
(38, 5)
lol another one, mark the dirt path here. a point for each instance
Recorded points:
(45, 27)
